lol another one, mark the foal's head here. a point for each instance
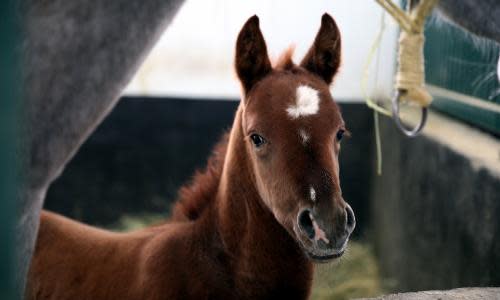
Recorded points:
(293, 131)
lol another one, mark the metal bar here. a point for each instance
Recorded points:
(464, 99)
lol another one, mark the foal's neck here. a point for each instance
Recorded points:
(259, 247)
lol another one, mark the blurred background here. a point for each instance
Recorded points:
(429, 221)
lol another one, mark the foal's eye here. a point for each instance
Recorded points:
(257, 140)
(340, 134)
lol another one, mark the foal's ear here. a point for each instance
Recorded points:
(252, 62)
(323, 58)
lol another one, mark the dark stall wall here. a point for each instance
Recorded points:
(436, 214)
(436, 208)
(148, 147)
(138, 157)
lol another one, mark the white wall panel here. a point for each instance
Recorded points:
(194, 56)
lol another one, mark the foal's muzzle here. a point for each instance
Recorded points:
(327, 237)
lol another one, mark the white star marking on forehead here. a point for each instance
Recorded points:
(306, 102)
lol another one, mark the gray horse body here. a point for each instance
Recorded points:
(78, 57)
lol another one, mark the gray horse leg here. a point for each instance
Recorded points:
(26, 232)
(78, 56)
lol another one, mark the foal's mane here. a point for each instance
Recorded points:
(196, 195)
(285, 61)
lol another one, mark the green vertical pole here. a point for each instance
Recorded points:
(9, 82)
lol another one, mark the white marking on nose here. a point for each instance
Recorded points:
(312, 194)
(304, 136)
(319, 234)
(306, 102)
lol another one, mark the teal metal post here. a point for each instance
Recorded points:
(9, 81)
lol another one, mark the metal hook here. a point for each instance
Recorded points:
(395, 115)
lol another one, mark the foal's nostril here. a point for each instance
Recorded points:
(306, 223)
(351, 220)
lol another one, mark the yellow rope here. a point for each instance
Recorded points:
(378, 142)
(422, 11)
(377, 109)
(399, 15)
(410, 77)
(366, 70)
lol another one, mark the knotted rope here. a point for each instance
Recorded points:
(410, 77)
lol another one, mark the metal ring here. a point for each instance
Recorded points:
(395, 115)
